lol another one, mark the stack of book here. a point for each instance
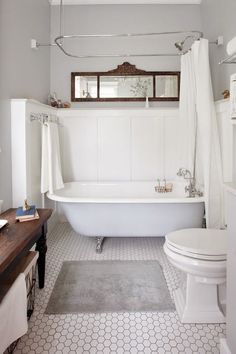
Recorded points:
(27, 215)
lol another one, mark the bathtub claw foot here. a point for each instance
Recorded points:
(99, 245)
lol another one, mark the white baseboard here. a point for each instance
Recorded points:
(224, 349)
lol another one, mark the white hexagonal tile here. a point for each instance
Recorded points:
(111, 333)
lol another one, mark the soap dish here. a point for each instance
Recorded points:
(3, 222)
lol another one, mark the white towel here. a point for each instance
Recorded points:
(231, 46)
(51, 176)
(44, 160)
(13, 313)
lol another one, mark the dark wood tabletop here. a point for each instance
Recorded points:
(17, 238)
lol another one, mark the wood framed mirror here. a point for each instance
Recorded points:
(125, 83)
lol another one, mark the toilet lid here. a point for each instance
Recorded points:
(208, 242)
(197, 256)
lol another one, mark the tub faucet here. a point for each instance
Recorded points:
(191, 188)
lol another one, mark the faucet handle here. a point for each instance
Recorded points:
(180, 172)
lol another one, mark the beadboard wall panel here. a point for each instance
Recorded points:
(105, 144)
(113, 148)
(119, 144)
(26, 151)
(79, 148)
(226, 134)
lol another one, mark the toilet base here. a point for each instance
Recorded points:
(198, 303)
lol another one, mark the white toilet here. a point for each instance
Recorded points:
(201, 253)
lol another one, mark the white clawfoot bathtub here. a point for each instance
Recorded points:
(133, 209)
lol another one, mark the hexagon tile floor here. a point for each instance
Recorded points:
(111, 333)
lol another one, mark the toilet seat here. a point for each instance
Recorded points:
(196, 255)
(209, 271)
(206, 244)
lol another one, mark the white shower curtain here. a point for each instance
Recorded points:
(187, 113)
(197, 109)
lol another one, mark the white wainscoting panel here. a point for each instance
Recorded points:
(114, 148)
(226, 138)
(171, 146)
(26, 151)
(79, 141)
(147, 148)
(105, 144)
(226, 144)
(119, 144)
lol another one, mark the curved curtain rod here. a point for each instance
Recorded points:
(58, 41)
(199, 34)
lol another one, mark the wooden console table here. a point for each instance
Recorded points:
(17, 238)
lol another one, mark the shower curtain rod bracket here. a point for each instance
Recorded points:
(219, 41)
(34, 44)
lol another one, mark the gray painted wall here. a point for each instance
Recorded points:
(27, 73)
(118, 19)
(23, 72)
(218, 18)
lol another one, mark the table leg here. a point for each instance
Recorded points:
(41, 247)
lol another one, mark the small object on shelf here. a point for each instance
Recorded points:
(25, 214)
(25, 205)
(147, 103)
(52, 100)
(66, 105)
(226, 94)
(59, 104)
(35, 217)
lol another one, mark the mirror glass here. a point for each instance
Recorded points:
(167, 86)
(126, 86)
(86, 87)
(125, 83)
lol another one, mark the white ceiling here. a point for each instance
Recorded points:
(144, 2)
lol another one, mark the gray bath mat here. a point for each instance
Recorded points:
(110, 286)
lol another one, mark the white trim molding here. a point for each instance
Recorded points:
(126, 2)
